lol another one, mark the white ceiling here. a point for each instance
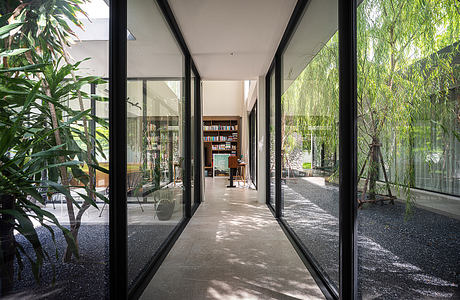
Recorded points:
(250, 29)
(213, 30)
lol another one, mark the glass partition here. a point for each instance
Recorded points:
(409, 149)
(309, 136)
(155, 134)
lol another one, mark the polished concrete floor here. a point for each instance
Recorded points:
(232, 248)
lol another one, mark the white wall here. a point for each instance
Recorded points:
(226, 98)
(261, 141)
(223, 98)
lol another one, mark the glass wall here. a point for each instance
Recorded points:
(408, 101)
(53, 187)
(155, 134)
(271, 141)
(309, 138)
(408, 104)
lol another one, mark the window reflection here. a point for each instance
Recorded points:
(155, 134)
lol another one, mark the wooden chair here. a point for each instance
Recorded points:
(134, 188)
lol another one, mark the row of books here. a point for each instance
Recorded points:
(220, 127)
(231, 138)
(226, 146)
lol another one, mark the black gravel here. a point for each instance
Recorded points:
(88, 277)
(400, 257)
(143, 242)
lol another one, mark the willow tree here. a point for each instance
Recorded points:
(406, 72)
(310, 104)
(400, 71)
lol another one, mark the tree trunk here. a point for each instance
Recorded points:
(374, 167)
(8, 246)
(57, 135)
(91, 172)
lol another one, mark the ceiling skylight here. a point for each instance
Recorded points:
(97, 27)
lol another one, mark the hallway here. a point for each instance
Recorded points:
(232, 248)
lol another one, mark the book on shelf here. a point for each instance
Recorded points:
(220, 127)
(231, 138)
(226, 146)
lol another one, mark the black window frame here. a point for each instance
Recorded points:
(118, 223)
(253, 138)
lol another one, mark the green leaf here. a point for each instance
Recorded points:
(5, 30)
(14, 52)
(80, 175)
(52, 153)
(88, 199)
(97, 167)
(28, 68)
(63, 190)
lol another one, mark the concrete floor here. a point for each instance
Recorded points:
(232, 248)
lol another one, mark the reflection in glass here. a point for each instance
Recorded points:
(155, 131)
(309, 136)
(309, 156)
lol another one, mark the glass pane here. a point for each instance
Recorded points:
(54, 194)
(272, 138)
(155, 126)
(309, 143)
(409, 149)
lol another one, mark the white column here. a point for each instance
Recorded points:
(261, 141)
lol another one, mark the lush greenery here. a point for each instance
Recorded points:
(45, 145)
(406, 81)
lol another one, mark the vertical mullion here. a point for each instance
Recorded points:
(144, 126)
(187, 139)
(267, 137)
(348, 287)
(117, 150)
(92, 125)
(256, 155)
(278, 171)
(197, 143)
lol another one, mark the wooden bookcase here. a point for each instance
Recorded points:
(220, 135)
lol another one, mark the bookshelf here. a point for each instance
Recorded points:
(220, 135)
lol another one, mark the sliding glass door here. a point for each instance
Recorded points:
(379, 88)
(155, 107)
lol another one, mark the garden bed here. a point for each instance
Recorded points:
(87, 278)
(399, 258)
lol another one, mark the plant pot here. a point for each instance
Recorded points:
(165, 209)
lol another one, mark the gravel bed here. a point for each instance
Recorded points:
(399, 258)
(87, 278)
(143, 242)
